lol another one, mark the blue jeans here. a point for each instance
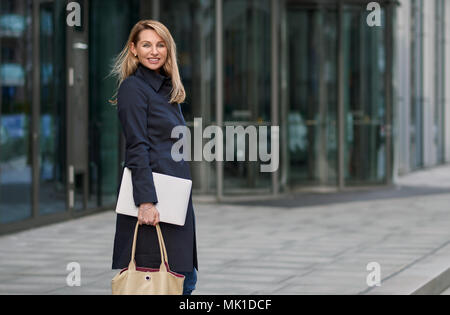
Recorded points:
(190, 281)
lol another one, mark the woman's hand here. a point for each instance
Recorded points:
(148, 214)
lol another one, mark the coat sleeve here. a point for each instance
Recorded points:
(132, 111)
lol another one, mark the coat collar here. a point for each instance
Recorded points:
(153, 78)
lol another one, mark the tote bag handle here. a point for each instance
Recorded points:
(162, 248)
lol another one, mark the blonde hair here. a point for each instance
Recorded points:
(126, 63)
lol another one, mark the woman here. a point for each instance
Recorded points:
(148, 98)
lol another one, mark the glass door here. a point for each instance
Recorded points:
(311, 89)
(364, 54)
(247, 91)
(338, 125)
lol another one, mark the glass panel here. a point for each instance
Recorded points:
(364, 98)
(416, 122)
(192, 25)
(52, 175)
(312, 85)
(439, 112)
(15, 109)
(106, 17)
(247, 60)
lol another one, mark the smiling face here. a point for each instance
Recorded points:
(151, 50)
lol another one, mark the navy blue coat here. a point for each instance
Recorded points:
(147, 119)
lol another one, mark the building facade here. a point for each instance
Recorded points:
(357, 104)
(422, 84)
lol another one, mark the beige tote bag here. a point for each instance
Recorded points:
(144, 281)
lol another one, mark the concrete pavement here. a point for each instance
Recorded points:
(304, 244)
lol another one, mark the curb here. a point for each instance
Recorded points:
(428, 275)
(436, 286)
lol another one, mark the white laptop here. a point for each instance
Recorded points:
(173, 197)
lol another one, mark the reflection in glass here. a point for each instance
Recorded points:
(15, 110)
(312, 90)
(52, 157)
(364, 98)
(247, 60)
(107, 17)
